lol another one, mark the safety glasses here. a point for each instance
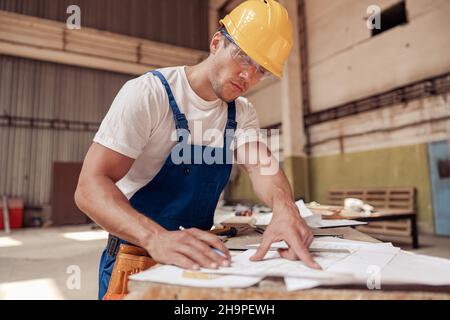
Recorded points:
(244, 60)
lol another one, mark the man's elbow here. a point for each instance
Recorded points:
(80, 197)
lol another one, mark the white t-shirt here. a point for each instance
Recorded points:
(140, 124)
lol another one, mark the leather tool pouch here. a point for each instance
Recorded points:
(129, 260)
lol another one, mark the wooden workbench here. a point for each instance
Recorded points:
(274, 288)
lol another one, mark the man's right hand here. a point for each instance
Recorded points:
(188, 249)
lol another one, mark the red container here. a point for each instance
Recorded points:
(15, 208)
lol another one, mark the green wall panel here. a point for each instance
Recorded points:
(392, 167)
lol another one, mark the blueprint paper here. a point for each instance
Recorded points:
(178, 276)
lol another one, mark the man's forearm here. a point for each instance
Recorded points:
(273, 190)
(286, 224)
(104, 203)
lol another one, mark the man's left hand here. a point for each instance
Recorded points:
(288, 225)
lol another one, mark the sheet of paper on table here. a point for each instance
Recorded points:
(352, 267)
(333, 243)
(410, 268)
(313, 220)
(274, 265)
(344, 267)
(403, 268)
(177, 276)
(361, 256)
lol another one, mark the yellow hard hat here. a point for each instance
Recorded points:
(263, 30)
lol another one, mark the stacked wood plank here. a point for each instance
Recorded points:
(155, 53)
(42, 39)
(21, 29)
(102, 44)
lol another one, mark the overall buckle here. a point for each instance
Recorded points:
(181, 121)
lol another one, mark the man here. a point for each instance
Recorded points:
(134, 186)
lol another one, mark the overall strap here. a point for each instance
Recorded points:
(228, 135)
(231, 120)
(181, 123)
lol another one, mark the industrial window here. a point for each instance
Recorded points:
(392, 17)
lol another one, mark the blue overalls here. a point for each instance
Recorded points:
(183, 194)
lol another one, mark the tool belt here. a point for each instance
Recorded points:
(132, 259)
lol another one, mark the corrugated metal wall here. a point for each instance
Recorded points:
(178, 22)
(46, 90)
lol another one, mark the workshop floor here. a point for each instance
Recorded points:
(44, 263)
(62, 263)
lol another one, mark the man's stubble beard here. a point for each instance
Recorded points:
(218, 89)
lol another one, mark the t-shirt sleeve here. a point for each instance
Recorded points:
(248, 124)
(127, 126)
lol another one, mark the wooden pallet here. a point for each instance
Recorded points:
(380, 198)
